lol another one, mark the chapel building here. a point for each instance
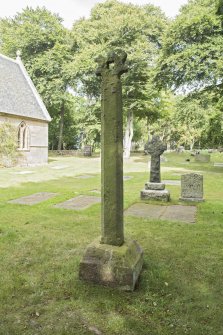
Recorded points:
(22, 106)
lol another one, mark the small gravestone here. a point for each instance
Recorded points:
(87, 150)
(192, 187)
(202, 158)
(154, 189)
(112, 260)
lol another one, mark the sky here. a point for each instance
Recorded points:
(72, 10)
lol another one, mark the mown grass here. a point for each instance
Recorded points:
(180, 289)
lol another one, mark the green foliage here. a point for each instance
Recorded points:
(192, 50)
(33, 31)
(44, 44)
(8, 144)
(214, 134)
(136, 29)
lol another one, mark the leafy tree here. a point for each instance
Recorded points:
(214, 134)
(44, 43)
(192, 50)
(137, 30)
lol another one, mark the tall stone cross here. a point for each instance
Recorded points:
(110, 69)
(155, 148)
(110, 260)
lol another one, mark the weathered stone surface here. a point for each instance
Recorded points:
(33, 199)
(163, 195)
(155, 148)
(114, 266)
(192, 187)
(202, 158)
(111, 261)
(154, 186)
(179, 213)
(112, 147)
(79, 202)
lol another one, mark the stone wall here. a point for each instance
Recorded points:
(37, 152)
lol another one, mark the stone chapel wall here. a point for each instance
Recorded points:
(37, 152)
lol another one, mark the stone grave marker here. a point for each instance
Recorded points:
(33, 199)
(179, 213)
(202, 158)
(154, 189)
(112, 260)
(79, 202)
(192, 187)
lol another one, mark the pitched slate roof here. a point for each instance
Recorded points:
(18, 95)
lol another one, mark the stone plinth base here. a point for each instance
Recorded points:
(154, 186)
(192, 199)
(111, 265)
(163, 195)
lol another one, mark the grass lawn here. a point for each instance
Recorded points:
(181, 286)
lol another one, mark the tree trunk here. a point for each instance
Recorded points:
(148, 130)
(128, 135)
(192, 145)
(61, 124)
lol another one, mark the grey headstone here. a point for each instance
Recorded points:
(192, 187)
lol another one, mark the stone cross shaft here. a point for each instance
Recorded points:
(111, 69)
(155, 148)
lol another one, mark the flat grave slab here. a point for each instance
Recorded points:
(59, 167)
(178, 213)
(23, 172)
(79, 202)
(171, 182)
(84, 176)
(218, 164)
(33, 199)
(127, 177)
(95, 191)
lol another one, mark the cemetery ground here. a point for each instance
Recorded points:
(180, 289)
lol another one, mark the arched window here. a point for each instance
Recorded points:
(23, 136)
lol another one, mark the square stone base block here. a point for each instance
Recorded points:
(163, 195)
(112, 266)
(154, 186)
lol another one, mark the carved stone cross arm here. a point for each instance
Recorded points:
(117, 58)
